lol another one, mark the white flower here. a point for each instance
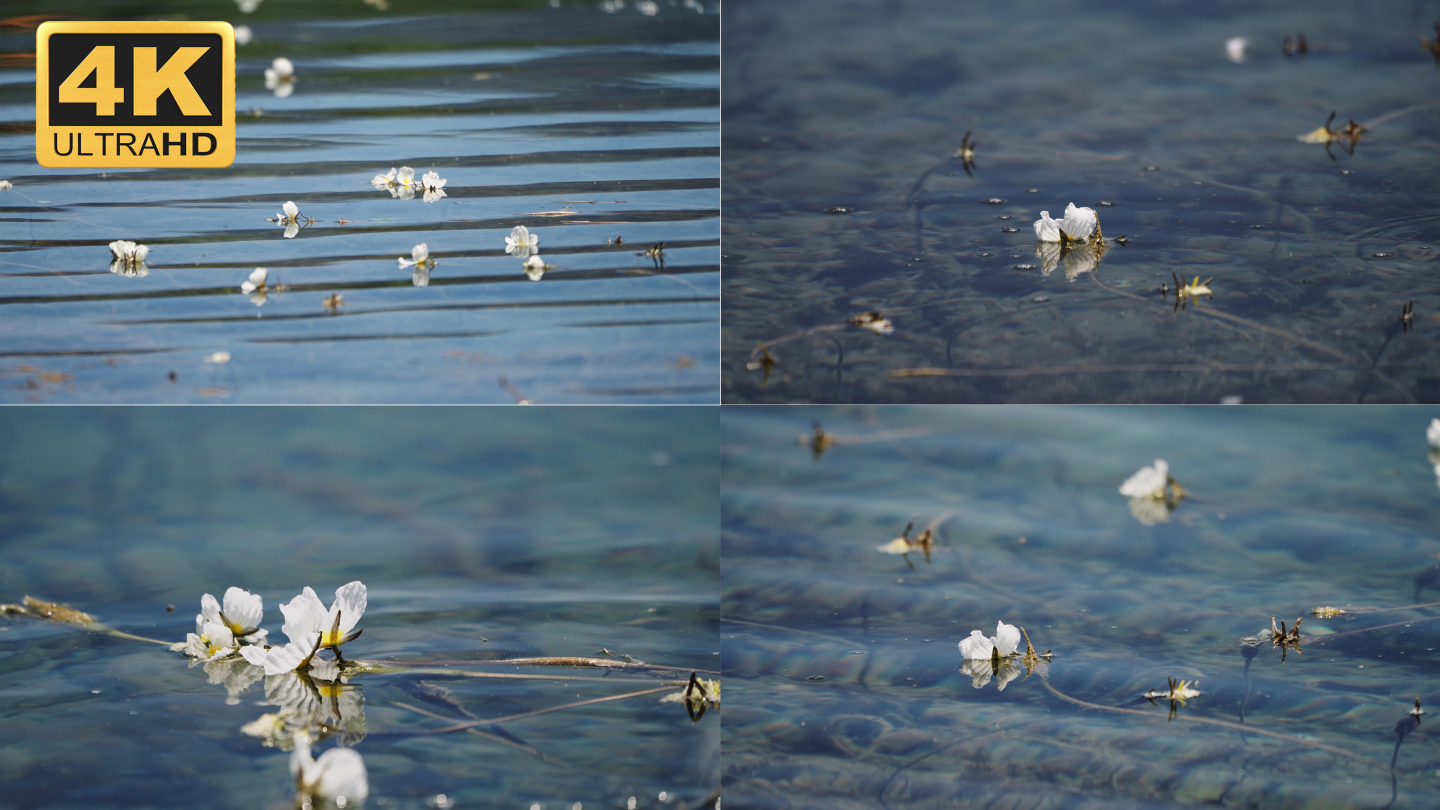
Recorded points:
(1149, 482)
(1235, 49)
(255, 282)
(873, 322)
(535, 267)
(338, 776)
(433, 186)
(289, 212)
(306, 614)
(248, 6)
(280, 77)
(130, 253)
(403, 184)
(241, 613)
(521, 242)
(243, 35)
(218, 358)
(1432, 433)
(420, 257)
(6, 185)
(1077, 225)
(210, 641)
(270, 728)
(978, 646)
(385, 181)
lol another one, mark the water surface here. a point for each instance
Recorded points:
(545, 533)
(1132, 109)
(605, 114)
(842, 662)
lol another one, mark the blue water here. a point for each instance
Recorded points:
(557, 532)
(522, 108)
(1130, 108)
(842, 663)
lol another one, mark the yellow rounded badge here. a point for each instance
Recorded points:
(121, 95)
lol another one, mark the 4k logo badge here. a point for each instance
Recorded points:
(119, 95)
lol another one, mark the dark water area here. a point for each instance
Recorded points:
(585, 123)
(846, 192)
(847, 685)
(531, 533)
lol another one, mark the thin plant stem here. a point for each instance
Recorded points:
(523, 715)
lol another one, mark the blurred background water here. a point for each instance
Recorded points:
(556, 532)
(840, 197)
(842, 665)
(609, 110)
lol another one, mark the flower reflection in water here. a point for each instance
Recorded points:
(236, 674)
(1074, 260)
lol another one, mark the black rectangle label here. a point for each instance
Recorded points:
(206, 75)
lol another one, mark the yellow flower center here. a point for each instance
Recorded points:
(330, 638)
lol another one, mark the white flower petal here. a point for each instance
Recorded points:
(279, 660)
(291, 209)
(1007, 638)
(243, 609)
(291, 229)
(420, 252)
(406, 176)
(209, 612)
(1079, 223)
(976, 646)
(1046, 229)
(255, 655)
(404, 262)
(338, 772)
(283, 66)
(1432, 434)
(978, 669)
(1149, 482)
(350, 600)
(303, 615)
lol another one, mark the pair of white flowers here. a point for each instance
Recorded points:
(280, 77)
(235, 628)
(520, 244)
(998, 656)
(401, 183)
(129, 258)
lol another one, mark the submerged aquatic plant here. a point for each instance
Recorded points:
(819, 441)
(129, 258)
(521, 243)
(1153, 493)
(280, 77)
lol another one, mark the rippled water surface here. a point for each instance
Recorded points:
(583, 122)
(841, 198)
(559, 533)
(842, 663)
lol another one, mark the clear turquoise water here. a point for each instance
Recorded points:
(542, 533)
(859, 105)
(842, 663)
(521, 107)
